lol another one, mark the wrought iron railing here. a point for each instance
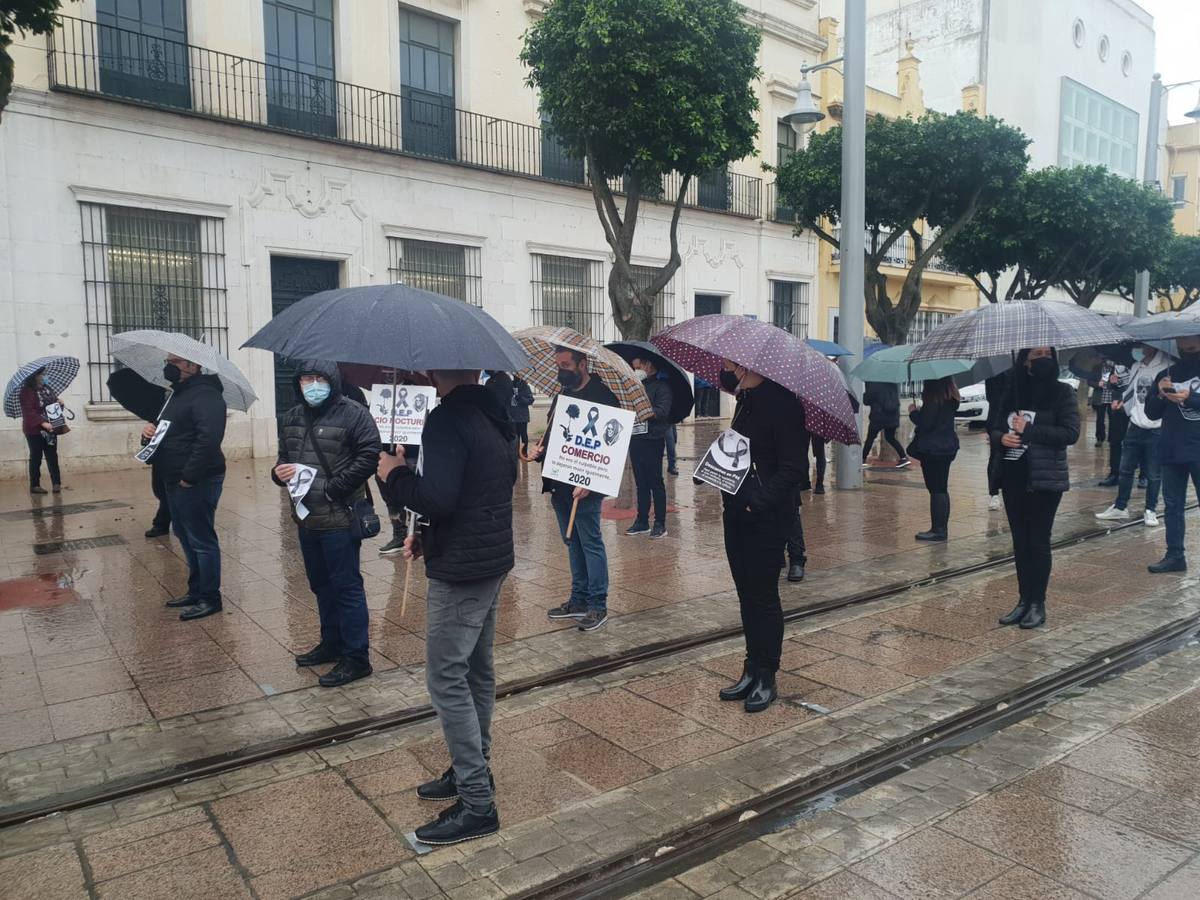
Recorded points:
(901, 254)
(125, 65)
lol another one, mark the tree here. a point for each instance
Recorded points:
(640, 89)
(24, 16)
(941, 170)
(1175, 278)
(1080, 229)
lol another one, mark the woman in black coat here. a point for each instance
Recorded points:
(883, 399)
(935, 444)
(1032, 429)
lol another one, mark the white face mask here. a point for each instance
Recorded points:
(639, 374)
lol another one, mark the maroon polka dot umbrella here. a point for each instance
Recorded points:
(700, 344)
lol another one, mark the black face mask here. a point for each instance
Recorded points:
(729, 380)
(1044, 369)
(569, 380)
(1192, 356)
(172, 374)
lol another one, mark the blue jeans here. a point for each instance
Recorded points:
(193, 514)
(1175, 478)
(585, 549)
(1140, 448)
(672, 439)
(332, 565)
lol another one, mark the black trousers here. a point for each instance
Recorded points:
(522, 434)
(818, 452)
(796, 550)
(1102, 412)
(1030, 519)
(936, 472)
(646, 455)
(39, 449)
(754, 546)
(1117, 427)
(162, 517)
(889, 435)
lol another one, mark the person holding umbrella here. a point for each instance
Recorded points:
(935, 445)
(1032, 428)
(646, 449)
(35, 396)
(336, 438)
(883, 398)
(522, 400)
(1174, 402)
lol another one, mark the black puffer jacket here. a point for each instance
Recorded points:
(191, 449)
(884, 401)
(349, 440)
(466, 487)
(1055, 428)
(659, 393)
(935, 435)
(772, 419)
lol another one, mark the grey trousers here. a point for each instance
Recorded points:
(460, 628)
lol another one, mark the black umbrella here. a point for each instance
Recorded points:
(136, 394)
(391, 325)
(682, 398)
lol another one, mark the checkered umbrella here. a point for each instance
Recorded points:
(540, 342)
(700, 345)
(1000, 328)
(60, 372)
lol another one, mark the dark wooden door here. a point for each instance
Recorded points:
(293, 279)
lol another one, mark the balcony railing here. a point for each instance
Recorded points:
(125, 65)
(900, 255)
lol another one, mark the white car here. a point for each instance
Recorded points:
(973, 405)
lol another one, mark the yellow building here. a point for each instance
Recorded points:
(1182, 183)
(943, 293)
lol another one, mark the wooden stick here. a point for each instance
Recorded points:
(570, 521)
(408, 564)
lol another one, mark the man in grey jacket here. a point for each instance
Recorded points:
(646, 450)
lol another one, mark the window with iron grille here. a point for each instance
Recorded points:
(148, 269)
(450, 269)
(923, 323)
(789, 306)
(664, 300)
(570, 292)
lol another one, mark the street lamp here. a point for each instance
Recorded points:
(1194, 113)
(805, 113)
(1158, 90)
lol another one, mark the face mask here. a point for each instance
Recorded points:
(172, 374)
(639, 374)
(316, 393)
(569, 380)
(729, 380)
(1190, 355)
(1138, 354)
(1043, 369)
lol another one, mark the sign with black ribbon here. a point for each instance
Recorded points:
(726, 463)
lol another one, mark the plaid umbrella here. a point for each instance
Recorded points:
(60, 372)
(144, 352)
(1000, 328)
(700, 345)
(540, 342)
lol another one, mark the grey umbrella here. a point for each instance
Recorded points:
(391, 325)
(1000, 328)
(1163, 326)
(144, 352)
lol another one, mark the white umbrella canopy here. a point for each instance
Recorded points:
(145, 351)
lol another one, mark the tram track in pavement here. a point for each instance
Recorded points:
(227, 762)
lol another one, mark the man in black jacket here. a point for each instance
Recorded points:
(191, 467)
(646, 449)
(337, 438)
(1175, 401)
(465, 493)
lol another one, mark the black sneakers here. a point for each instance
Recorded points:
(395, 545)
(157, 531)
(458, 824)
(316, 656)
(592, 620)
(445, 787)
(638, 528)
(658, 531)
(567, 611)
(344, 673)
(1168, 564)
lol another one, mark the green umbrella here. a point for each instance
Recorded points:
(894, 366)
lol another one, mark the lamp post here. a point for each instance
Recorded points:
(803, 116)
(1158, 91)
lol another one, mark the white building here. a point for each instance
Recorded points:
(1074, 75)
(197, 165)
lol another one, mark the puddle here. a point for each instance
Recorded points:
(38, 592)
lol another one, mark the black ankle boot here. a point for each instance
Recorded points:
(741, 689)
(1017, 614)
(939, 517)
(1035, 617)
(762, 692)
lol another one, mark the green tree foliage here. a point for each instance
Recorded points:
(640, 89)
(1080, 229)
(1175, 277)
(26, 17)
(939, 169)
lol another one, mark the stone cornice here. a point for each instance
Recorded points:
(785, 31)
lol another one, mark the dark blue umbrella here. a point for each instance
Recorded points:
(391, 325)
(827, 348)
(60, 371)
(873, 347)
(682, 398)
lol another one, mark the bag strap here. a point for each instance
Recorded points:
(325, 463)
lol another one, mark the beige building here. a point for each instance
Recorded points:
(198, 165)
(1182, 181)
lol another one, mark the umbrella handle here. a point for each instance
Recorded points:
(571, 520)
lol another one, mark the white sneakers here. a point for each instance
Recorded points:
(1150, 518)
(1112, 514)
(994, 502)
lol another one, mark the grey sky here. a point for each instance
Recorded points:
(1177, 40)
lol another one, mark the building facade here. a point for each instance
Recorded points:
(198, 166)
(1182, 180)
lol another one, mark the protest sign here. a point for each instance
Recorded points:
(399, 411)
(298, 488)
(160, 432)
(727, 462)
(1014, 453)
(586, 445)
